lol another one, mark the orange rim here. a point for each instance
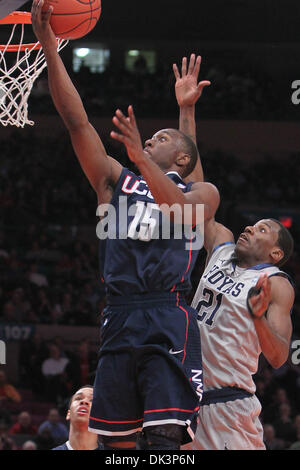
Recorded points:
(18, 47)
(17, 17)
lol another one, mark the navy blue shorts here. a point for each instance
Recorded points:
(150, 368)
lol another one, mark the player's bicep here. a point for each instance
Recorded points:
(279, 311)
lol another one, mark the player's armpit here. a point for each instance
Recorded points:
(116, 170)
(107, 186)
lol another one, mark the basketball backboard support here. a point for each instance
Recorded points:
(8, 6)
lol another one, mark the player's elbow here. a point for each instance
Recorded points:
(212, 201)
(279, 359)
(276, 364)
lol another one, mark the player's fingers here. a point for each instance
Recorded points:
(191, 64)
(183, 67)
(197, 66)
(260, 281)
(122, 118)
(120, 114)
(44, 15)
(266, 287)
(131, 115)
(176, 72)
(120, 137)
(265, 292)
(255, 300)
(259, 303)
(36, 7)
(120, 125)
(203, 84)
(47, 14)
(115, 135)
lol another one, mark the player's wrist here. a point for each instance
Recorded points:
(259, 316)
(187, 107)
(141, 161)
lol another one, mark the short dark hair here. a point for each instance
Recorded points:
(190, 148)
(285, 242)
(84, 386)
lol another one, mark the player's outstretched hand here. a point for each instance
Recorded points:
(41, 23)
(187, 88)
(259, 297)
(129, 134)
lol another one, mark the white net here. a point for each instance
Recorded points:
(20, 66)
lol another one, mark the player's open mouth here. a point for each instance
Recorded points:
(146, 150)
(243, 237)
(83, 410)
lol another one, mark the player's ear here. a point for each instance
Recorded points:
(276, 254)
(68, 416)
(182, 159)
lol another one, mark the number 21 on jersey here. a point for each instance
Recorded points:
(208, 306)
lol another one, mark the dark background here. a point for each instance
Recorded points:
(234, 20)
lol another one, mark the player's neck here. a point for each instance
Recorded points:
(82, 439)
(249, 262)
(172, 169)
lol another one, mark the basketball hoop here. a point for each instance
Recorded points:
(17, 77)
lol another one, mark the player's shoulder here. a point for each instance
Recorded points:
(204, 186)
(282, 283)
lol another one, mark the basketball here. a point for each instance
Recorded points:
(72, 19)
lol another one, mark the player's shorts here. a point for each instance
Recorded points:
(229, 420)
(150, 371)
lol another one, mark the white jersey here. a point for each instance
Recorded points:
(229, 342)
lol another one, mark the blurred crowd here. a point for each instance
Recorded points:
(238, 91)
(49, 275)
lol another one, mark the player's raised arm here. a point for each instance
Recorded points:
(101, 171)
(188, 91)
(215, 234)
(270, 308)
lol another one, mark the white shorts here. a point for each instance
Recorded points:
(233, 425)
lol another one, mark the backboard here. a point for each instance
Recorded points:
(7, 6)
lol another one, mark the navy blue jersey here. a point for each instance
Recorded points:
(61, 447)
(67, 446)
(137, 257)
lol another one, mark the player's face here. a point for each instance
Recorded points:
(163, 148)
(257, 242)
(81, 406)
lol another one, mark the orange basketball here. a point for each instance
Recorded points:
(72, 19)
